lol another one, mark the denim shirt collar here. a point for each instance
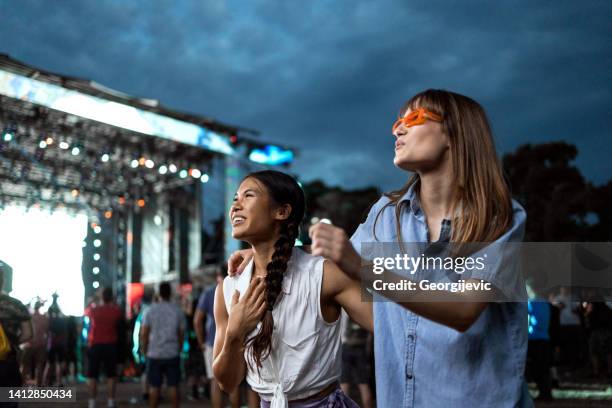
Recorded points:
(411, 199)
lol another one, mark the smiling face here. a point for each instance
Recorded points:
(422, 147)
(254, 215)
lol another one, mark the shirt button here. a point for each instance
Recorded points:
(409, 376)
(410, 337)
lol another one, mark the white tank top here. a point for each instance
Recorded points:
(305, 355)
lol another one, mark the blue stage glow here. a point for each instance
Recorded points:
(271, 155)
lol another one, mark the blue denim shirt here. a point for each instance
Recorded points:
(420, 363)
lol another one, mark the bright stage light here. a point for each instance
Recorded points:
(56, 239)
(105, 157)
(111, 112)
(204, 178)
(163, 169)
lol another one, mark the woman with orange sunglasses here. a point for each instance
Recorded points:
(466, 350)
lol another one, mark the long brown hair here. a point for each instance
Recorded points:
(282, 190)
(481, 205)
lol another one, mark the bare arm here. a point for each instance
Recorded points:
(459, 314)
(144, 338)
(340, 289)
(232, 329)
(199, 319)
(456, 310)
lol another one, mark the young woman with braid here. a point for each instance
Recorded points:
(278, 323)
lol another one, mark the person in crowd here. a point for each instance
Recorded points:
(278, 323)
(35, 354)
(102, 341)
(554, 332)
(57, 344)
(571, 334)
(469, 342)
(15, 329)
(194, 364)
(356, 357)
(71, 348)
(139, 357)
(539, 351)
(204, 323)
(123, 347)
(598, 319)
(161, 339)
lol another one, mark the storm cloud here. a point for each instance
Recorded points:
(328, 77)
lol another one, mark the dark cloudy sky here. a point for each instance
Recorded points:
(329, 76)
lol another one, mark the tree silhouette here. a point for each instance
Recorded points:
(561, 205)
(556, 196)
(345, 208)
(601, 201)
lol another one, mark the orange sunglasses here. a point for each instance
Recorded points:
(416, 117)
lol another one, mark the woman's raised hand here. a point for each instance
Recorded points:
(245, 313)
(238, 261)
(332, 243)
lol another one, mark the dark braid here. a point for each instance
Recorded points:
(283, 189)
(278, 265)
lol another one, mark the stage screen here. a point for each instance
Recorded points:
(45, 252)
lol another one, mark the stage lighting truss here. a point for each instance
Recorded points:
(53, 159)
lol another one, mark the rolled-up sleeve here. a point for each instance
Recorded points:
(365, 230)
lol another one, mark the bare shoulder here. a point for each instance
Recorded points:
(333, 279)
(220, 308)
